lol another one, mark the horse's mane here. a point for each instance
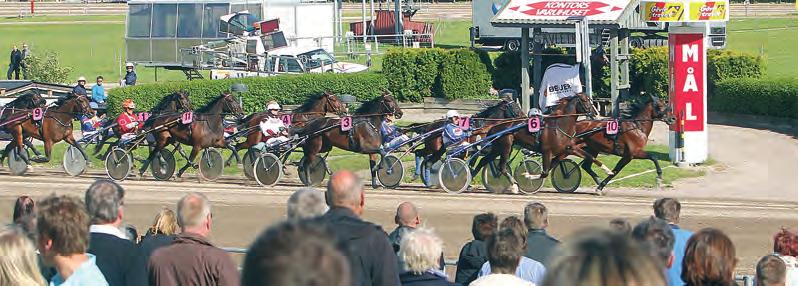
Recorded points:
(631, 108)
(21, 100)
(370, 106)
(309, 103)
(161, 106)
(63, 100)
(207, 107)
(485, 113)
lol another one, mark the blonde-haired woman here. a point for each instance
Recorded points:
(18, 264)
(161, 233)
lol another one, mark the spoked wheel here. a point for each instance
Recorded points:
(118, 164)
(16, 164)
(454, 176)
(390, 171)
(527, 175)
(211, 164)
(268, 169)
(313, 174)
(74, 163)
(566, 176)
(163, 165)
(492, 178)
(248, 161)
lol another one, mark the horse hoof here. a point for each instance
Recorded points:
(29, 169)
(599, 193)
(514, 189)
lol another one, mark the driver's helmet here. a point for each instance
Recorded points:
(128, 103)
(534, 112)
(128, 65)
(452, 113)
(273, 106)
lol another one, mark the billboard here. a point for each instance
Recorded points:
(684, 11)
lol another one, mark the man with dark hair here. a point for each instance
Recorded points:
(63, 228)
(117, 257)
(474, 254)
(621, 225)
(669, 209)
(295, 254)
(539, 244)
(771, 271)
(370, 254)
(192, 259)
(657, 236)
(505, 250)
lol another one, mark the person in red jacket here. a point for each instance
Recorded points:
(128, 123)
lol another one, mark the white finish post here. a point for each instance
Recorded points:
(524, 49)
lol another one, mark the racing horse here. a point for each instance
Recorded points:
(174, 103)
(205, 130)
(313, 107)
(15, 111)
(554, 141)
(364, 137)
(630, 142)
(433, 149)
(55, 126)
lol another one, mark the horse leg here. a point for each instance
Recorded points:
(587, 165)
(617, 170)
(653, 159)
(373, 168)
(234, 155)
(48, 151)
(29, 143)
(189, 161)
(155, 152)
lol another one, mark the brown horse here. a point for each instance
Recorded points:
(555, 140)
(314, 107)
(206, 130)
(15, 112)
(172, 104)
(56, 126)
(363, 138)
(630, 142)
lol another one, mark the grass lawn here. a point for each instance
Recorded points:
(339, 160)
(120, 18)
(777, 44)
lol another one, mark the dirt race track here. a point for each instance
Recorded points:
(749, 195)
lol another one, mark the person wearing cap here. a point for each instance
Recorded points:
(273, 128)
(391, 137)
(130, 75)
(453, 134)
(80, 89)
(128, 123)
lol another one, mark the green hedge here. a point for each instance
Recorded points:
(289, 89)
(413, 74)
(649, 69)
(766, 96)
(508, 66)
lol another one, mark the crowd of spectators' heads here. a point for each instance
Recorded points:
(62, 240)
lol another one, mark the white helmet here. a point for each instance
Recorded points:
(273, 106)
(129, 65)
(81, 78)
(452, 113)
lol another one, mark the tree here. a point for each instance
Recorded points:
(45, 67)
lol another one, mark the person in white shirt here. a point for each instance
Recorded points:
(273, 128)
(505, 250)
(559, 81)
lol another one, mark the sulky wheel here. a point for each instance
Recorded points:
(312, 174)
(268, 169)
(211, 164)
(163, 165)
(250, 156)
(527, 175)
(390, 171)
(16, 164)
(495, 181)
(566, 176)
(454, 176)
(118, 164)
(74, 162)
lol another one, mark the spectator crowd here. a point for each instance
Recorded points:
(63, 240)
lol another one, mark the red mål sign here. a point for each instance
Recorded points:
(687, 88)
